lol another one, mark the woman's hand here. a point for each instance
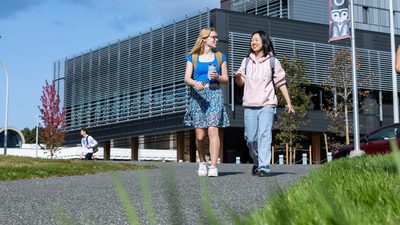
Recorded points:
(290, 109)
(240, 78)
(214, 76)
(238, 75)
(198, 85)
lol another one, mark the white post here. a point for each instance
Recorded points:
(6, 109)
(304, 159)
(329, 156)
(380, 108)
(394, 75)
(37, 135)
(281, 159)
(237, 160)
(356, 124)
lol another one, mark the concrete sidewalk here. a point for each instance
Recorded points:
(175, 190)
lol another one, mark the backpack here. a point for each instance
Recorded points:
(219, 59)
(94, 148)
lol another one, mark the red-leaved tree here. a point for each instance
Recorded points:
(53, 130)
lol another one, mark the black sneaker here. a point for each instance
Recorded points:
(262, 173)
(254, 170)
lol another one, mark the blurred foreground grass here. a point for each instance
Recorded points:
(357, 191)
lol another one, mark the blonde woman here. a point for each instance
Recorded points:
(206, 112)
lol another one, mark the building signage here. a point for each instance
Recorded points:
(339, 20)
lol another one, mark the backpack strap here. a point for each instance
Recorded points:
(219, 59)
(87, 139)
(272, 64)
(245, 65)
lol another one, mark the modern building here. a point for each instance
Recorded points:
(130, 93)
(15, 139)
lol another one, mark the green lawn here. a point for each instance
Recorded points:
(15, 168)
(356, 191)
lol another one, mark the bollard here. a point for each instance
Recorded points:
(304, 158)
(281, 159)
(329, 156)
(219, 160)
(237, 160)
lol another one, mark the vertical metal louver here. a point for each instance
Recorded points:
(133, 78)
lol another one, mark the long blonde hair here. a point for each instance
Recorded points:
(198, 47)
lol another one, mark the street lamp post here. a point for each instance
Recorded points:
(357, 151)
(37, 135)
(394, 75)
(6, 112)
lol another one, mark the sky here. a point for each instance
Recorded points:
(36, 33)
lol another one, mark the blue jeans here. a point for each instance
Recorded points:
(258, 134)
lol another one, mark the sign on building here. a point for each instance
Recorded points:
(339, 21)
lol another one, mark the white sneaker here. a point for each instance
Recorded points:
(212, 171)
(202, 169)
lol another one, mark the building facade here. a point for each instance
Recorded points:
(15, 139)
(131, 93)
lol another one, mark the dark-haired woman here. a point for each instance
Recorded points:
(259, 99)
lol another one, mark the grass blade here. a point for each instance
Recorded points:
(123, 196)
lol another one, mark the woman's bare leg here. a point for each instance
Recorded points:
(214, 144)
(200, 136)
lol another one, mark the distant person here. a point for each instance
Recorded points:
(89, 145)
(260, 83)
(398, 59)
(206, 70)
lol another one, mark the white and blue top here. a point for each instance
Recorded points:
(88, 142)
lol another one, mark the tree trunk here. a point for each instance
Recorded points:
(346, 116)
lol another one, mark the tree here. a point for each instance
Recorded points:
(53, 132)
(340, 84)
(29, 135)
(296, 80)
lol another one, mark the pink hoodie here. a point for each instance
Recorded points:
(258, 87)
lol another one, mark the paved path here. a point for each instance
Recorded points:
(175, 190)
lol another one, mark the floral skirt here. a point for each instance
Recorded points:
(206, 109)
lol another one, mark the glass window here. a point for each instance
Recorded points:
(365, 14)
(384, 134)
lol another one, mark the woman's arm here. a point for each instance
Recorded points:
(239, 78)
(398, 59)
(285, 94)
(240, 74)
(188, 77)
(224, 79)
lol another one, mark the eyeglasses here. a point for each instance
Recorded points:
(214, 37)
